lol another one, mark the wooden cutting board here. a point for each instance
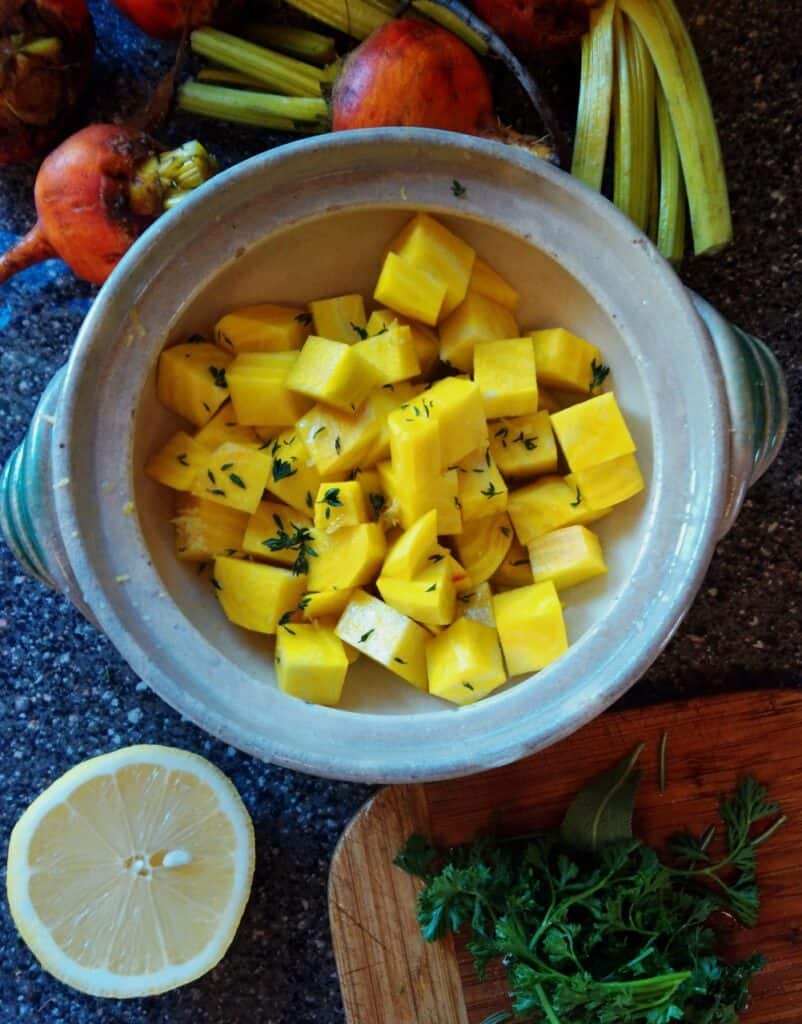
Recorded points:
(389, 975)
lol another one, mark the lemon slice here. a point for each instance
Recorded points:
(129, 875)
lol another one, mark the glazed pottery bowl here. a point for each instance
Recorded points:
(705, 403)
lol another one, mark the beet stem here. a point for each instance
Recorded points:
(283, 74)
(297, 42)
(280, 113)
(32, 248)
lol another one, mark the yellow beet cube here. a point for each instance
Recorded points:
(339, 505)
(234, 475)
(429, 597)
(460, 577)
(567, 557)
(191, 380)
(610, 482)
(270, 528)
(475, 320)
(262, 328)
(483, 545)
(430, 246)
(311, 663)
(386, 636)
(339, 319)
(530, 626)
(351, 557)
(410, 290)
(223, 426)
(293, 476)
(382, 402)
(258, 385)
(413, 550)
(255, 595)
(592, 432)
(464, 662)
(564, 360)
(441, 494)
(523, 445)
(548, 504)
(390, 354)
(414, 447)
(425, 340)
(338, 441)
(482, 489)
(477, 605)
(317, 604)
(176, 464)
(456, 405)
(204, 530)
(505, 373)
(486, 281)
(330, 371)
(515, 570)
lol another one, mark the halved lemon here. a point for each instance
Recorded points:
(129, 875)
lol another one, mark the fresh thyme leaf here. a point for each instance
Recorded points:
(598, 375)
(218, 491)
(366, 636)
(225, 466)
(377, 504)
(182, 458)
(282, 469)
(218, 376)
(431, 589)
(303, 318)
(360, 331)
(318, 430)
(458, 189)
(286, 617)
(299, 540)
(436, 558)
(215, 584)
(400, 661)
(578, 500)
(310, 501)
(338, 444)
(490, 491)
(211, 476)
(237, 481)
(331, 498)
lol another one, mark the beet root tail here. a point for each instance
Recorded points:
(32, 248)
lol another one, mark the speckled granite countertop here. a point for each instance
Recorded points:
(66, 695)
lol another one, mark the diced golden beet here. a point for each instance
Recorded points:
(262, 328)
(464, 662)
(425, 340)
(269, 527)
(330, 622)
(413, 550)
(293, 476)
(234, 475)
(386, 636)
(523, 445)
(492, 285)
(430, 246)
(204, 530)
(592, 432)
(316, 604)
(483, 545)
(339, 319)
(564, 360)
(414, 447)
(177, 463)
(409, 290)
(258, 385)
(545, 505)
(255, 595)
(222, 427)
(330, 372)
(391, 355)
(456, 404)
(338, 441)
(191, 380)
(482, 489)
(546, 399)
(460, 577)
(610, 483)
(351, 557)
(475, 320)
(405, 507)
(530, 626)
(339, 505)
(505, 373)
(477, 605)
(515, 570)
(383, 401)
(311, 663)
(566, 557)
(429, 597)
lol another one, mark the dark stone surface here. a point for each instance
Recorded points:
(66, 695)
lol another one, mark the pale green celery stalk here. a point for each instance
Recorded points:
(297, 42)
(222, 76)
(624, 125)
(643, 139)
(654, 203)
(671, 219)
(356, 18)
(595, 98)
(283, 74)
(281, 113)
(692, 117)
(443, 16)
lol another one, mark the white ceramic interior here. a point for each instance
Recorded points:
(312, 220)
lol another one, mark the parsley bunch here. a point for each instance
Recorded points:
(599, 929)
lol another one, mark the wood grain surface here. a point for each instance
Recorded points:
(389, 975)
